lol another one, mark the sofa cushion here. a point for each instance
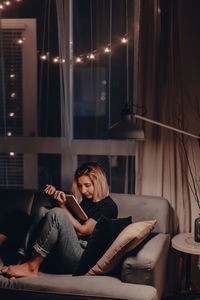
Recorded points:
(105, 232)
(127, 240)
(143, 208)
(83, 287)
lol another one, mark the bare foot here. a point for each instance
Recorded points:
(24, 270)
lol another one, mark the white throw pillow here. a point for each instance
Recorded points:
(126, 241)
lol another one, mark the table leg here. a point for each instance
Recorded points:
(180, 272)
(188, 283)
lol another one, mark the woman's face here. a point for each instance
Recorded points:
(85, 186)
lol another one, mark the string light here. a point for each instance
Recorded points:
(12, 75)
(78, 60)
(56, 60)
(107, 50)
(9, 133)
(97, 53)
(12, 95)
(43, 57)
(7, 3)
(91, 56)
(20, 41)
(12, 153)
(124, 40)
(103, 96)
(12, 114)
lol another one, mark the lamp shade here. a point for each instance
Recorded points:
(125, 129)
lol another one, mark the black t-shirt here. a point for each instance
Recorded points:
(95, 210)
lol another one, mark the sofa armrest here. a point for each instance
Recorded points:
(147, 264)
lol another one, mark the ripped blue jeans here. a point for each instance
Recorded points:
(52, 230)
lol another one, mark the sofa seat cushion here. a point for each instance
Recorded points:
(89, 286)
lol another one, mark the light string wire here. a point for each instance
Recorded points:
(3, 80)
(48, 66)
(127, 56)
(109, 89)
(110, 69)
(127, 93)
(91, 46)
(91, 27)
(42, 64)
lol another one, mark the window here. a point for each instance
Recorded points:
(49, 170)
(95, 95)
(18, 96)
(101, 31)
(11, 170)
(120, 171)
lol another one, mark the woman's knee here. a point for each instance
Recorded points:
(42, 211)
(57, 211)
(58, 214)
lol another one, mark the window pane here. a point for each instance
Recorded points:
(11, 170)
(120, 171)
(49, 170)
(100, 81)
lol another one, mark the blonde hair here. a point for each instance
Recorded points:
(98, 177)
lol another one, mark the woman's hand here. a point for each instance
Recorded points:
(60, 198)
(50, 189)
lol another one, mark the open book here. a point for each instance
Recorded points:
(73, 205)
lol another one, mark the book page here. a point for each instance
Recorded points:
(75, 207)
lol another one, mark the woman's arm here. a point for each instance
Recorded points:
(81, 229)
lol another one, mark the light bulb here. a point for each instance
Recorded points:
(78, 60)
(7, 3)
(1, 6)
(91, 56)
(12, 153)
(56, 60)
(104, 82)
(12, 114)
(12, 95)
(20, 41)
(124, 40)
(9, 133)
(107, 50)
(12, 75)
(43, 57)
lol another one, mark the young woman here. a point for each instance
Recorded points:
(61, 236)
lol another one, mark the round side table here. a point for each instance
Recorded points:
(186, 245)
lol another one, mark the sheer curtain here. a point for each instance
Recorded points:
(171, 98)
(64, 16)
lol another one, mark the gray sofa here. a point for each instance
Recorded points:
(142, 272)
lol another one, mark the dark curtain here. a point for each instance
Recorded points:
(168, 164)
